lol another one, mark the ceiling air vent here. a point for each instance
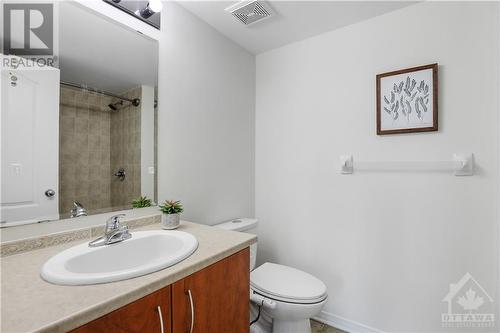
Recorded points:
(250, 12)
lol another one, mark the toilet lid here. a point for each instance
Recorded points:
(287, 283)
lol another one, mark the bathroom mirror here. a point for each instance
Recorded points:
(97, 153)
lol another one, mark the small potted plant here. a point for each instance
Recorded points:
(170, 219)
(141, 202)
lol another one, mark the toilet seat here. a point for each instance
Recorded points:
(286, 300)
(287, 284)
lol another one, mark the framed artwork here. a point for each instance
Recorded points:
(407, 100)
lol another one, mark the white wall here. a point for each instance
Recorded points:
(205, 120)
(387, 244)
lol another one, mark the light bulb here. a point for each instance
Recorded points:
(155, 5)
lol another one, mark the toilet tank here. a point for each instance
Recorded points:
(247, 225)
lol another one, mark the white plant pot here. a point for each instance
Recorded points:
(170, 221)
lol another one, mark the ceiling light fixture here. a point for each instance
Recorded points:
(154, 6)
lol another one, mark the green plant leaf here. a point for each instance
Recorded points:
(141, 202)
(171, 207)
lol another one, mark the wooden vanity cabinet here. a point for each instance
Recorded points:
(140, 316)
(214, 299)
(219, 296)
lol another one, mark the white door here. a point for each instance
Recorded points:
(30, 145)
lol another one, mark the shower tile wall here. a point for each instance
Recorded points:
(126, 151)
(89, 155)
(84, 151)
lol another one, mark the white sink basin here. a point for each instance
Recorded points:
(144, 253)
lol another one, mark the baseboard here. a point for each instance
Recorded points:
(345, 324)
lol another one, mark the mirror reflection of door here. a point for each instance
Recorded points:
(30, 125)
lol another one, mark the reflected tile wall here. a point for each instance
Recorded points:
(126, 151)
(94, 143)
(84, 150)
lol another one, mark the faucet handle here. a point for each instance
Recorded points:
(114, 222)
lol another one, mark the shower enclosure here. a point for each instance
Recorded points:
(99, 149)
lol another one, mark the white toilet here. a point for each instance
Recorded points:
(287, 296)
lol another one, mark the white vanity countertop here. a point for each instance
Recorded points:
(29, 304)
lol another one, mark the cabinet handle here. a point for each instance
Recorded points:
(161, 319)
(192, 310)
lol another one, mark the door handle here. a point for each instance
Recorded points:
(191, 304)
(50, 193)
(161, 319)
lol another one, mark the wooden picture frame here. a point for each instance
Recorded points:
(407, 100)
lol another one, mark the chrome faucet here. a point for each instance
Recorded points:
(78, 210)
(114, 232)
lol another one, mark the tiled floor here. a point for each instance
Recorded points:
(318, 327)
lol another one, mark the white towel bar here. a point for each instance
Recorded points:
(461, 165)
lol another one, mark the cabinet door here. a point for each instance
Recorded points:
(140, 316)
(219, 298)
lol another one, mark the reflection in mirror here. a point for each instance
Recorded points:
(97, 153)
